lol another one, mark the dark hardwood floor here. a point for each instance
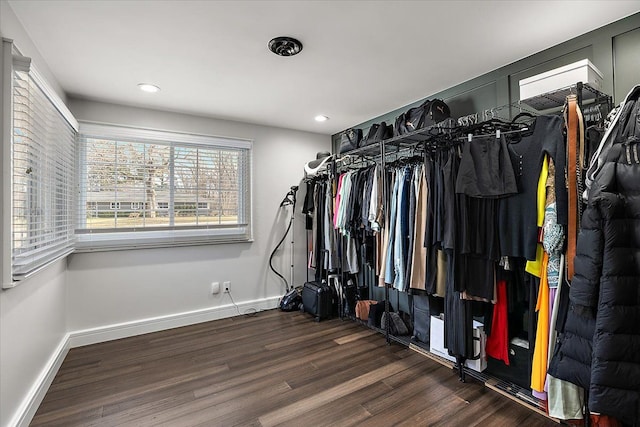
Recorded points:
(270, 369)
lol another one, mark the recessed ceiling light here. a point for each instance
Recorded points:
(148, 87)
(321, 118)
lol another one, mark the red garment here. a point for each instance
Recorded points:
(498, 341)
(597, 421)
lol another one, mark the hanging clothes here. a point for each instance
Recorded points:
(435, 213)
(565, 401)
(486, 170)
(518, 213)
(540, 352)
(308, 206)
(598, 348)
(498, 340)
(411, 219)
(535, 267)
(401, 238)
(418, 263)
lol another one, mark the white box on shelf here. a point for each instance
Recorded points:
(436, 343)
(582, 71)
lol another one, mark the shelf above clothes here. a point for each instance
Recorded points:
(405, 141)
(556, 98)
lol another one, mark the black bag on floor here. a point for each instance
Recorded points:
(421, 318)
(292, 300)
(317, 300)
(397, 326)
(375, 314)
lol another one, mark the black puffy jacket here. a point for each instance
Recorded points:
(600, 347)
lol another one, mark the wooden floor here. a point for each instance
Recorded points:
(270, 369)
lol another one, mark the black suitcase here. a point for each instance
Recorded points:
(317, 300)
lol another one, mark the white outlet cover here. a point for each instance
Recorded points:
(215, 287)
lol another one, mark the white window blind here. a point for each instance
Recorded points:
(145, 188)
(43, 177)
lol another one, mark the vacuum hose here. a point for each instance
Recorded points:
(289, 199)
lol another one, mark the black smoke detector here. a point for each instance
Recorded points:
(285, 46)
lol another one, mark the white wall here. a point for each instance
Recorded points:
(11, 28)
(32, 315)
(32, 331)
(111, 288)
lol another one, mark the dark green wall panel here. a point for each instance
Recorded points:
(626, 62)
(480, 98)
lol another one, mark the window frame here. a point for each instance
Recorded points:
(21, 265)
(163, 236)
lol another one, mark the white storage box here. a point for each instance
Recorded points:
(582, 71)
(436, 343)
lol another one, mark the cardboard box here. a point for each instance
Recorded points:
(436, 343)
(582, 71)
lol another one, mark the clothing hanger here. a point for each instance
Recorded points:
(522, 114)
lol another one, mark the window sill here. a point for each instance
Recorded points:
(108, 243)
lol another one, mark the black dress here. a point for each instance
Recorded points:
(517, 218)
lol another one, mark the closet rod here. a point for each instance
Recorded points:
(496, 134)
(493, 113)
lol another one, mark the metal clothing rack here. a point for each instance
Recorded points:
(454, 130)
(407, 143)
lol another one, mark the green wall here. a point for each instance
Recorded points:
(613, 49)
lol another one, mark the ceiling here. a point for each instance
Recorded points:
(360, 59)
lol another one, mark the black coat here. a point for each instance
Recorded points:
(600, 347)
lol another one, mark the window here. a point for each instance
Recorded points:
(42, 174)
(178, 188)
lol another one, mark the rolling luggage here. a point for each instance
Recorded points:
(317, 300)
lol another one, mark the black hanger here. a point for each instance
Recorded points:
(522, 114)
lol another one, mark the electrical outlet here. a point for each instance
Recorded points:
(227, 287)
(215, 287)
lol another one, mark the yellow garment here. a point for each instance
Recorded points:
(542, 190)
(535, 267)
(540, 352)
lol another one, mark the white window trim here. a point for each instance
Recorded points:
(12, 59)
(111, 241)
(104, 130)
(6, 112)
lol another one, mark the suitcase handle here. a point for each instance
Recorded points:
(476, 357)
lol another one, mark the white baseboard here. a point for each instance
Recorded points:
(80, 338)
(153, 324)
(36, 394)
